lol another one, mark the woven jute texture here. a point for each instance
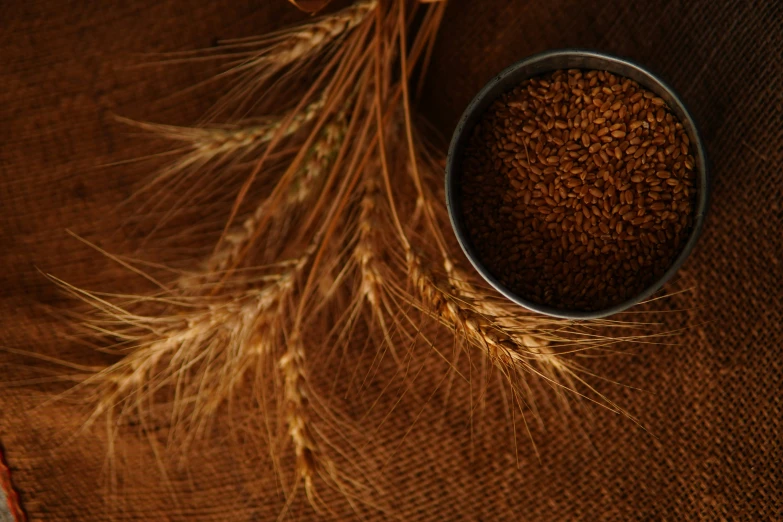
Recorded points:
(709, 403)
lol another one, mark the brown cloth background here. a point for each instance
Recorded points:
(711, 405)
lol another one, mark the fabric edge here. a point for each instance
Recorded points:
(12, 499)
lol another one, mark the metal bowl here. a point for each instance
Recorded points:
(535, 66)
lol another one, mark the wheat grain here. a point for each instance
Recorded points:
(538, 255)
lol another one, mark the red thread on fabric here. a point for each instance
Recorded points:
(12, 497)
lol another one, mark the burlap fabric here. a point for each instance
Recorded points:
(710, 404)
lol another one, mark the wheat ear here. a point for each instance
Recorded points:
(203, 145)
(302, 42)
(217, 338)
(509, 350)
(209, 142)
(295, 393)
(518, 346)
(366, 250)
(303, 184)
(258, 63)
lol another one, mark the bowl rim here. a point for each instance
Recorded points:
(510, 76)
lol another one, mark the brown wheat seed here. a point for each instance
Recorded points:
(566, 192)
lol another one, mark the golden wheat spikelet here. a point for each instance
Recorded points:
(308, 454)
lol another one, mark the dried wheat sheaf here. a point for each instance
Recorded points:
(336, 226)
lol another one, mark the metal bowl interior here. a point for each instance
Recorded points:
(535, 66)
